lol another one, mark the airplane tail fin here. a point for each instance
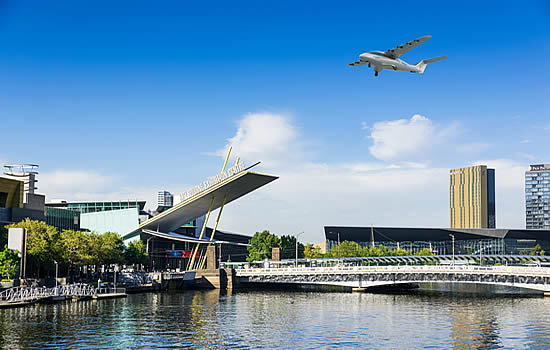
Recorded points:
(422, 64)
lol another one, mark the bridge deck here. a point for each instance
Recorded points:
(537, 278)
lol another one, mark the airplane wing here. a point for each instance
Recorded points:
(399, 50)
(356, 63)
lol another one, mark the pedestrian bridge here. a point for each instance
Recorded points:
(535, 278)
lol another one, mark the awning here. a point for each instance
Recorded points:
(182, 238)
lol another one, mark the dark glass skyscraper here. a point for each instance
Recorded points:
(491, 210)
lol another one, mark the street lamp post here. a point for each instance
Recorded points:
(338, 247)
(114, 277)
(453, 239)
(297, 235)
(150, 255)
(56, 270)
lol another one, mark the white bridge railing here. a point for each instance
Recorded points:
(30, 294)
(490, 270)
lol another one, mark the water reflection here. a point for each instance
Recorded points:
(474, 327)
(281, 320)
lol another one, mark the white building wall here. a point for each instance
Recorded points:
(121, 221)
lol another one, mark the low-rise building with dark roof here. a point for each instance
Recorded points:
(440, 240)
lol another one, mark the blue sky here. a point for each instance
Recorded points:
(123, 100)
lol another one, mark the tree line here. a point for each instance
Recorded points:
(47, 245)
(349, 249)
(262, 243)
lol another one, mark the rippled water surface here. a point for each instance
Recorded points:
(284, 320)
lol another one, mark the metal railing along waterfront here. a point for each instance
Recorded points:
(502, 270)
(32, 294)
(18, 294)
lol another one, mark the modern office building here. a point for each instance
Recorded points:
(63, 219)
(11, 196)
(165, 199)
(440, 240)
(472, 197)
(98, 216)
(18, 199)
(537, 197)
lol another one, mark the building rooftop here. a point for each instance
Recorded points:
(539, 167)
(363, 234)
(59, 203)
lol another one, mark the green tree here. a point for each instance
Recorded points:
(536, 250)
(312, 252)
(346, 249)
(424, 252)
(76, 248)
(43, 243)
(9, 263)
(136, 253)
(106, 249)
(3, 236)
(288, 247)
(261, 244)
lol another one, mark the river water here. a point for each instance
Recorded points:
(282, 320)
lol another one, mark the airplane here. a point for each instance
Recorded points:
(390, 59)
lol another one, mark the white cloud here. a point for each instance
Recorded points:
(268, 137)
(525, 141)
(73, 183)
(364, 126)
(400, 139)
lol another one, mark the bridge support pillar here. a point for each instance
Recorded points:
(276, 254)
(211, 258)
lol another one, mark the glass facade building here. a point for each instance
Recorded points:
(64, 219)
(93, 207)
(440, 241)
(537, 197)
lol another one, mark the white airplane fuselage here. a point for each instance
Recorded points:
(379, 61)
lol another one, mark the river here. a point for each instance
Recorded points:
(282, 320)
